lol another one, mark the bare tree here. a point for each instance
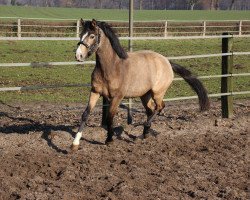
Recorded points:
(214, 4)
(140, 4)
(192, 3)
(231, 4)
(99, 4)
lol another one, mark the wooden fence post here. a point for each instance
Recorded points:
(78, 28)
(130, 46)
(204, 28)
(19, 30)
(240, 27)
(226, 82)
(166, 29)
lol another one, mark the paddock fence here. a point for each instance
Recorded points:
(226, 77)
(41, 27)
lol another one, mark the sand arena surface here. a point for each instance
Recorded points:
(194, 155)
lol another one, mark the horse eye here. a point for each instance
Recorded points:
(92, 36)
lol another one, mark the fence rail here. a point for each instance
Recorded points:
(38, 87)
(42, 64)
(122, 38)
(224, 76)
(165, 28)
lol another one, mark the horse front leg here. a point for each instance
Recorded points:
(112, 111)
(93, 98)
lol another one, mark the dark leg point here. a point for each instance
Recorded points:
(146, 130)
(130, 119)
(109, 137)
(109, 140)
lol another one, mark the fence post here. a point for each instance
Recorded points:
(166, 29)
(226, 82)
(240, 27)
(105, 110)
(19, 30)
(77, 28)
(204, 28)
(130, 45)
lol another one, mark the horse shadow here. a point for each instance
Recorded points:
(48, 130)
(35, 126)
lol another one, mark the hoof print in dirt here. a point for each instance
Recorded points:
(191, 194)
(74, 148)
(217, 122)
(153, 133)
(51, 135)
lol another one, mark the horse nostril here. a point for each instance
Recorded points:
(81, 56)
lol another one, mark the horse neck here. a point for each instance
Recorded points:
(107, 57)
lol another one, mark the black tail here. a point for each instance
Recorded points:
(195, 84)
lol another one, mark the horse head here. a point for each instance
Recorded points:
(89, 40)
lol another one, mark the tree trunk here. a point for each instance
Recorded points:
(231, 5)
(192, 6)
(216, 4)
(11, 2)
(211, 4)
(140, 5)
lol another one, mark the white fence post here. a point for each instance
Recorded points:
(78, 28)
(240, 27)
(19, 30)
(166, 29)
(204, 28)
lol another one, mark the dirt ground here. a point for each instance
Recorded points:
(194, 155)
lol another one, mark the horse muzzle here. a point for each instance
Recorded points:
(79, 58)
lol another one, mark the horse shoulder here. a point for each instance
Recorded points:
(97, 80)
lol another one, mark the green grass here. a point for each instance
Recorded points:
(45, 51)
(107, 14)
(52, 51)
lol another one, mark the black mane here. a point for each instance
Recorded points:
(111, 35)
(115, 43)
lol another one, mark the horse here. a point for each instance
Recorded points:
(118, 75)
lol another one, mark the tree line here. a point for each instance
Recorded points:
(139, 4)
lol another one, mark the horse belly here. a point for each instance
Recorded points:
(138, 87)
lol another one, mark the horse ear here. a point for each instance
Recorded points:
(82, 21)
(94, 23)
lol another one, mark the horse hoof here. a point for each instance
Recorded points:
(74, 148)
(109, 141)
(141, 137)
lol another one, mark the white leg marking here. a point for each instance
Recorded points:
(77, 138)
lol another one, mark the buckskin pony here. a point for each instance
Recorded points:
(118, 74)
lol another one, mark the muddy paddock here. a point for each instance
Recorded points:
(190, 155)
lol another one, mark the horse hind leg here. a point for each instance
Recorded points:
(149, 105)
(159, 106)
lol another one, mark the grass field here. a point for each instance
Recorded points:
(38, 51)
(106, 14)
(51, 51)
